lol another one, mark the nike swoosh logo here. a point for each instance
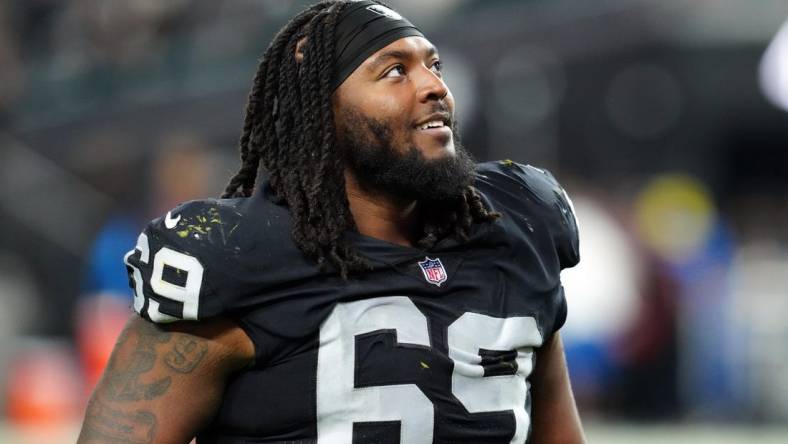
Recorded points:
(171, 222)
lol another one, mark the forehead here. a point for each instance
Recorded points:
(416, 47)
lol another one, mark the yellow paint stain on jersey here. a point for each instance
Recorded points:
(200, 224)
(198, 228)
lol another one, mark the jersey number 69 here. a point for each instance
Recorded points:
(187, 294)
(340, 403)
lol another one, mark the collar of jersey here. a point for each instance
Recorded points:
(381, 251)
(393, 254)
(378, 250)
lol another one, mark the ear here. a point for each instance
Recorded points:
(299, 53)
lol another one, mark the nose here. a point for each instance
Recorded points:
(431, 86)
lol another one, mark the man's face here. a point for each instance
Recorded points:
(395, 119)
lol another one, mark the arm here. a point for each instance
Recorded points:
(554, 414)
(164, 382)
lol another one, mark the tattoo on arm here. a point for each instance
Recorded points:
(124, 382)
(128, 378)
(186, 354)
(102, 422)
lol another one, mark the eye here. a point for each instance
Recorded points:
(437, 66)
(398, 70)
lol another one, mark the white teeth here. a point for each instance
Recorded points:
(433, 124)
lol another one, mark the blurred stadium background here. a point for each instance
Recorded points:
(665, 120)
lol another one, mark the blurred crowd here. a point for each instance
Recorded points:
(112, 112)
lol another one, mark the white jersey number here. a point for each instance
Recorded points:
(474, 331)
(340, 403)
(187, 294)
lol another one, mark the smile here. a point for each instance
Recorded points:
(432, 124)
(441, 132)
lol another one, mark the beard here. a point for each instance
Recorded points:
(381, 167)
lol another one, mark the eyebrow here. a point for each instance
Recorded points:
(396, 54)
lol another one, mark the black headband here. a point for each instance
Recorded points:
(364, 27)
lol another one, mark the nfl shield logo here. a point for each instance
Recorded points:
(433, 271)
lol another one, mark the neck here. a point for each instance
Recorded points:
(381, 216)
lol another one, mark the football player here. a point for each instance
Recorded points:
(373, 286)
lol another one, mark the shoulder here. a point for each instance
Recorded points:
(199, 225)
(525, 193)
(190, 262)
(210, 226)
(506, 176)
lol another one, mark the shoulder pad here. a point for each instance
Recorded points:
(201, 225)
(526, 181)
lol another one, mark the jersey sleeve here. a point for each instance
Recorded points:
(563, 220)
(522, 184)
(528, 193)
(176, 267)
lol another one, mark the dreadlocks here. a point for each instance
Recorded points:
(289, 126)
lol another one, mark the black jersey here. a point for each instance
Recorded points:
(427, 347)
